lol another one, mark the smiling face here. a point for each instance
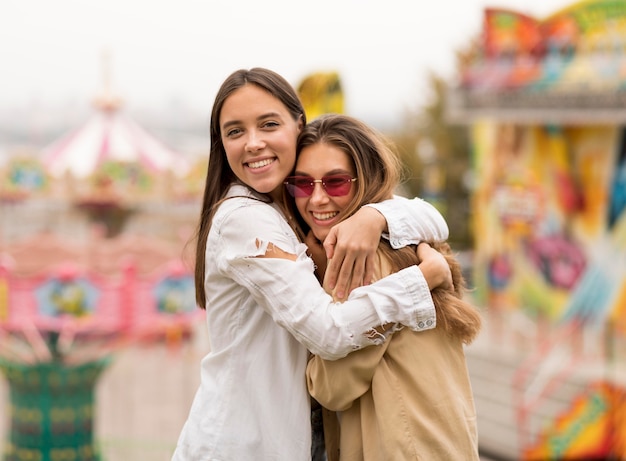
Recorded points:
(320, 210)
(259, 136)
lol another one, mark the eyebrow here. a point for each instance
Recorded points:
(258, 119)
(328, 173)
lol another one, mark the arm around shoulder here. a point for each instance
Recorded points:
(411, 221)
(277, 284)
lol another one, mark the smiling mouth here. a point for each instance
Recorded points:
(260, 163)
(325, 216)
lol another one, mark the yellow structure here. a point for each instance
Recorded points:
(321, 93)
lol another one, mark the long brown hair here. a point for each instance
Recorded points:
(379, 171)
(454, 313)
(219, 176)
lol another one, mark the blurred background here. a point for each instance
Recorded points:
(509, 117)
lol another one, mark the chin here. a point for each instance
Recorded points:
(265, 187)
(321, 236)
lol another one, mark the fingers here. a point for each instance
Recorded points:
(362, 273)
(349, 271)
(332, 270)
(370, 267)
(343, 285)
(330, 242)
(434, 267)
(351, 248)
(424, 250)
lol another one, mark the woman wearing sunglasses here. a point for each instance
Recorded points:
(264, 306)
(411, 397)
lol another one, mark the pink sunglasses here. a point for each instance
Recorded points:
(336, 185)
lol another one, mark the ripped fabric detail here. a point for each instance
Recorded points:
(379, 335)
(262, 248)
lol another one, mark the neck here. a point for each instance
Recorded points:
(277, 195)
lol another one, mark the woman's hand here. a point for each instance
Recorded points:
(351, 249)
(434, 267)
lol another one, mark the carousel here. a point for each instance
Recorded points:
(108, 171)
(92, 260)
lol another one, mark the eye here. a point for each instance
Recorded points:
(302, 182)
(270, 124)
(335, 180)
(232, 132)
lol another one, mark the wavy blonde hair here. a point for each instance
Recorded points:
(379, 171)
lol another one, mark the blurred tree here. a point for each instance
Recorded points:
(437, 156)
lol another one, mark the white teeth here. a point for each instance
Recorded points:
(260, 163)
(325, 216)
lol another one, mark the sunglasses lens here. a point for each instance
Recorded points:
(300, 186)
(303, 186)
(337, 186)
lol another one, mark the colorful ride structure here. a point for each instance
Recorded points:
(92, 259)
(108, 171)
(65, 309)
(545, 101)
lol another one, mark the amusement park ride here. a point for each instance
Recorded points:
(94, 258)
(545, 103)
(100, 265)
(93, 234)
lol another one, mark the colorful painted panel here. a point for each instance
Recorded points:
(568, 67)
(74, 297)
(23, 178)
(175, 295)
(594, 427)
(542, 214)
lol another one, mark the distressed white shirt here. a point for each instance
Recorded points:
(262, 315)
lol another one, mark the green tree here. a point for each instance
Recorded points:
(437, 157)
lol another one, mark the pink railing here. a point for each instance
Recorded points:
(92, 299)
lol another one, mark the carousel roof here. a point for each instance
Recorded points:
(109, 135)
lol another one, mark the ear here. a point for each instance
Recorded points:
(300, 123)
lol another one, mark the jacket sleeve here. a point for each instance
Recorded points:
(289, 291)
(336, 384)
(411, 221)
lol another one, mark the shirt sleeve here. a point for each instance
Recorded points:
(336, 384)
(411, 221)
(289, 291)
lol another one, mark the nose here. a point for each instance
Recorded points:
(254, 142)
(319, 194)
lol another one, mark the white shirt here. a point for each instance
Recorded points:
(262, 316)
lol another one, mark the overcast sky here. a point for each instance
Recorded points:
(181, 50)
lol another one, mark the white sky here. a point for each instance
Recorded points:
(181, 50)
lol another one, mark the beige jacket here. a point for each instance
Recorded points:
(408, 399)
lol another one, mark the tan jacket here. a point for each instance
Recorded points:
(408, 399)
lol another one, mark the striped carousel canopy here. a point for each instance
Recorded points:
(109, 135)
